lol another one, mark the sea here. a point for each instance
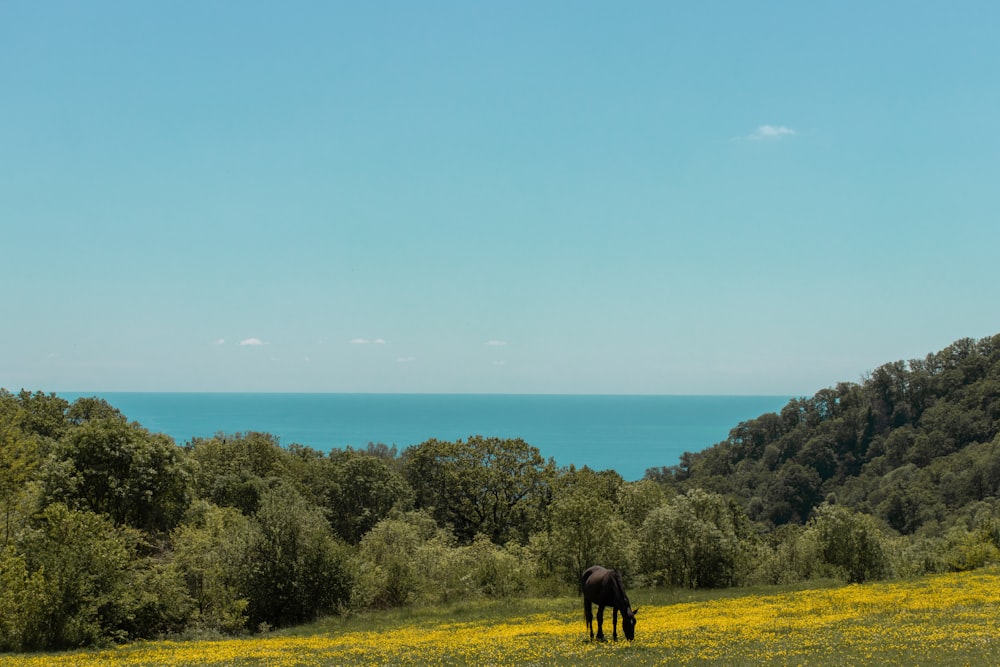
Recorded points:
(628, 434)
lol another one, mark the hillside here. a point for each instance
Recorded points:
(914, 444)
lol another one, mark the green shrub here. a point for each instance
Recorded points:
(850, 542)
(699, 539)
(76, 571)
(294, 570)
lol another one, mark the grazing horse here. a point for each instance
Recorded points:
(604, 588)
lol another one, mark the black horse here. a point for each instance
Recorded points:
(604, 588)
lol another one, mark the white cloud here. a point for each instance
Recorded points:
(499, 363)
(359, 341)
(220, 341)
(496, 343)
(405, 360)
(379, 341)
(252, 342)
(770, 133)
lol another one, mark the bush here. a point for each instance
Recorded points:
(480, 569)
(786, 558)
(156, 602)
(387, 573)
(209, 553)
(294, 570)
(967, 550)
(850, 542)
(74, 576)
(696, 540)
(23, 597)
(586, 530)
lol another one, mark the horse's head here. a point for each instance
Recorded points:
(628, 624)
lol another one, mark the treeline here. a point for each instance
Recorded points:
(110, 533)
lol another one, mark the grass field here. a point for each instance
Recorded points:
(942, 620)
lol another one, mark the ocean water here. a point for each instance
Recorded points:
(625, 433)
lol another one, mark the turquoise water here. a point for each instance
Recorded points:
(625, 433)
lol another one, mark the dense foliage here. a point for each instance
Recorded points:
(109, 532)
(914, 445)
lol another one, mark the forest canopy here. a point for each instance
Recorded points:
(110, 532)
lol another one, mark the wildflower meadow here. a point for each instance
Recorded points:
(951, 619)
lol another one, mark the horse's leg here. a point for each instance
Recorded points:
(588, 613)
(600, 622)
(614, 623)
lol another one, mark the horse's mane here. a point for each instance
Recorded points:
(620, 585)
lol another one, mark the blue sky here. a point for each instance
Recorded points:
(510, 197)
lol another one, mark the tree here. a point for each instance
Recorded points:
(155, 602)
(86, 409)
(386, 561)
(637, 499)
(45, 414)
(485, 485)
(294, 569)
(698, 539)
(76, 571)
(109, 466)
(210, 552)
(363, 489)
(447, 572)
(792, 493)
(585, 530)
(850, 541)
(237, 470)
(819, 454)
(19, 462)
(24, 597)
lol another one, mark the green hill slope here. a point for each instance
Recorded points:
(915, 443)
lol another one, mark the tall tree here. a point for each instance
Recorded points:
(111, 467)
(19, 462)
(237, 470)
(484, 485)
(362, 491)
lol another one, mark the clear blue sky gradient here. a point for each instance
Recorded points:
(509, 197)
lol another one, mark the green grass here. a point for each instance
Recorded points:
(942, 620)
